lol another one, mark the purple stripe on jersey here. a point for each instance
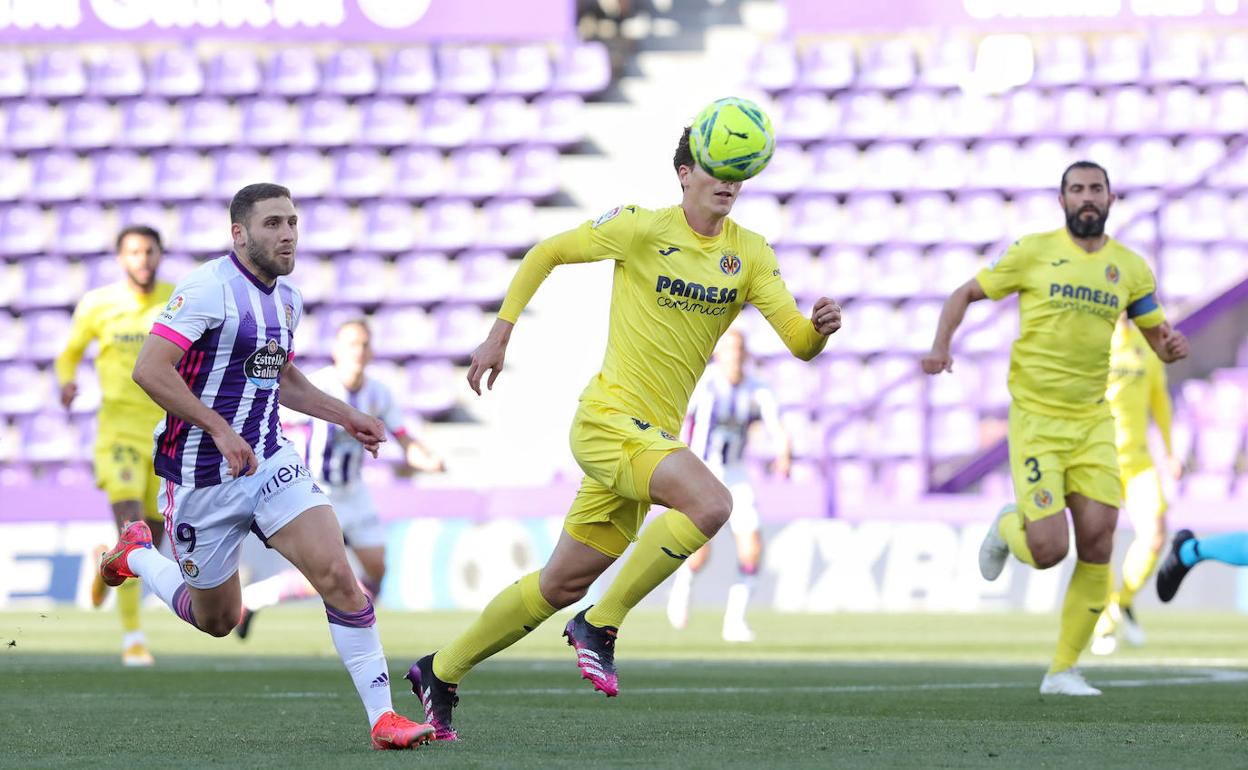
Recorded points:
(263, 398)
(286, 298)
(710, 425)
(364, 618)
(327, 454)
(203, 354)
(231, 388)
(261, 285)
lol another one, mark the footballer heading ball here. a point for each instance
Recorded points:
(731, 139)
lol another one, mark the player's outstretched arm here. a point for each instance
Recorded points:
(298, 393)
(419, 456)
(81, 332)
(1168, 343)
(489, 356)
(156, 373)
(951, 315)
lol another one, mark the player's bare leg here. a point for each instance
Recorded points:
(682, 587)
(373, 560)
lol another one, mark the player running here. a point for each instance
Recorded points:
(118, 316)
(725, 404)
(682, 275)
(218, 359)
(336, 461)
(1072, 284)
(1137, 387)
(1187, 550)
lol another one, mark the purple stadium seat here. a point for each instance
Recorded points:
(1036, 211)
(1061, 60)
(794, 383)
(875, 216)
(176, 73)
(948, 64)
(424, 277)
(389, 226)
(49, 437)
(59, 74)
(806, 117)
(269, 122)
(478, 173)
(122, 175)
(1028, 111)
(418, 173)
(432, 387)
(1207, 485)
(1038, 160)
(328, 121)
(802, 273)
(1117, 59)
(14, 77)
(91, 124)
(786, 174)
(118, 75)
(1133, 110)
(524, 70)
(34, 125)
(1149, 162)
(350, 72)
(774, 67)
(835, 167)
(210, 122)
(507, 120)
(534, 172)
(234, 72)
(181, 175)
(888, 65)
(508, 225)
(448, 121)
(814, 220)
(916, 114)
(867, 116)
(388, 122)
(761, 213)
(23, 230)
(409, 72)
(315, 334)
(1105, 150)
(175, 267)
(403, 332)
(23, 388)
(148, 123)
(930, 218)
(157, 216)
(898, 272)
(307, 172)
(465, 70)
(11, 337)
(84, 228)
(974, 115)
(1202, 215)
(360, 174)
(205, 229)
(317, 280)
(327, 226)
(293, 72)
(853, 479)
(1196, 155)
(828, 65)
(995, 161)
(983, 219)
(584, 68)
(1218, 446)
(460, 328)
(888, 166)
(88, 399)
(450, 225)
(16, 176)
(46, 332)
(485, 276)
(954, 266)
(561, 119)
(51, 282)
(362, 279)
(1176, 58)
(1229, 61)
(904, 479)
(943, 165)
(1183, 109)
(60, 177)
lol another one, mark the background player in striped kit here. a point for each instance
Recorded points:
(336, 461)
(727, 401)
(219, 361)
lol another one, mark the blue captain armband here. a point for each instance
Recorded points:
(1142, 306)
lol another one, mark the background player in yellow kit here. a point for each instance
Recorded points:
(1072, 284)
(119, 316)
(1137, 388)
(682, 275)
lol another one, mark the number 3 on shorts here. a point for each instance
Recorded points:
(1033, 468)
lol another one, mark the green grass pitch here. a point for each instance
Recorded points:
(831, 691)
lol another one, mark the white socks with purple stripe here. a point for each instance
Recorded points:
(163, 577)
(359, 645)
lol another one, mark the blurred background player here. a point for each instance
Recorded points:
(336, 461)
(725, 404)
(682, 274)
(1187, 550)
(118, 316)
(1137, 388)
(1072, 283)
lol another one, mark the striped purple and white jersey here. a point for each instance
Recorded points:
(236, 333)
(332, 455)
(720, 414)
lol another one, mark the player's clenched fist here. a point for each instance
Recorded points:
(237, 453)
(826, 316)
(366, 429)
(937, 361)
(1176, 344)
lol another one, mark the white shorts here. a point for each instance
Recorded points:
(207, 525)
(358, 517)
(744, 519)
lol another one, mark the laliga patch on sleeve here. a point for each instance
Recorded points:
(607, 216)
(173, 307)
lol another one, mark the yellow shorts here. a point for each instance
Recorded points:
(618, 453)
(1053, 456)
(1144, 499)
(123, 469)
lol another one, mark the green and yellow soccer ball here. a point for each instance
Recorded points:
(732, 139)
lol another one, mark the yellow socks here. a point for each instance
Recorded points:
(518, 609)
(1137, 567)
(129, 594)
(662, 548)
(1085, 600)
(1010, 527)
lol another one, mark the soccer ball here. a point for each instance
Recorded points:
(732, 139)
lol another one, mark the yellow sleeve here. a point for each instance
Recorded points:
(1006, 274)
(608, 237)
(1142, 306)
(1159, 400)
(81, 331)
(768, 293)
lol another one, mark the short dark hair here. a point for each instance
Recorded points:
(1084, 164)
(684, 155)
(143, 230)
(246, 199)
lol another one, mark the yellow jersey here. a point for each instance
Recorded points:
(675, 293)
(1068, 304)
(120, 319)
(1137, 387)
